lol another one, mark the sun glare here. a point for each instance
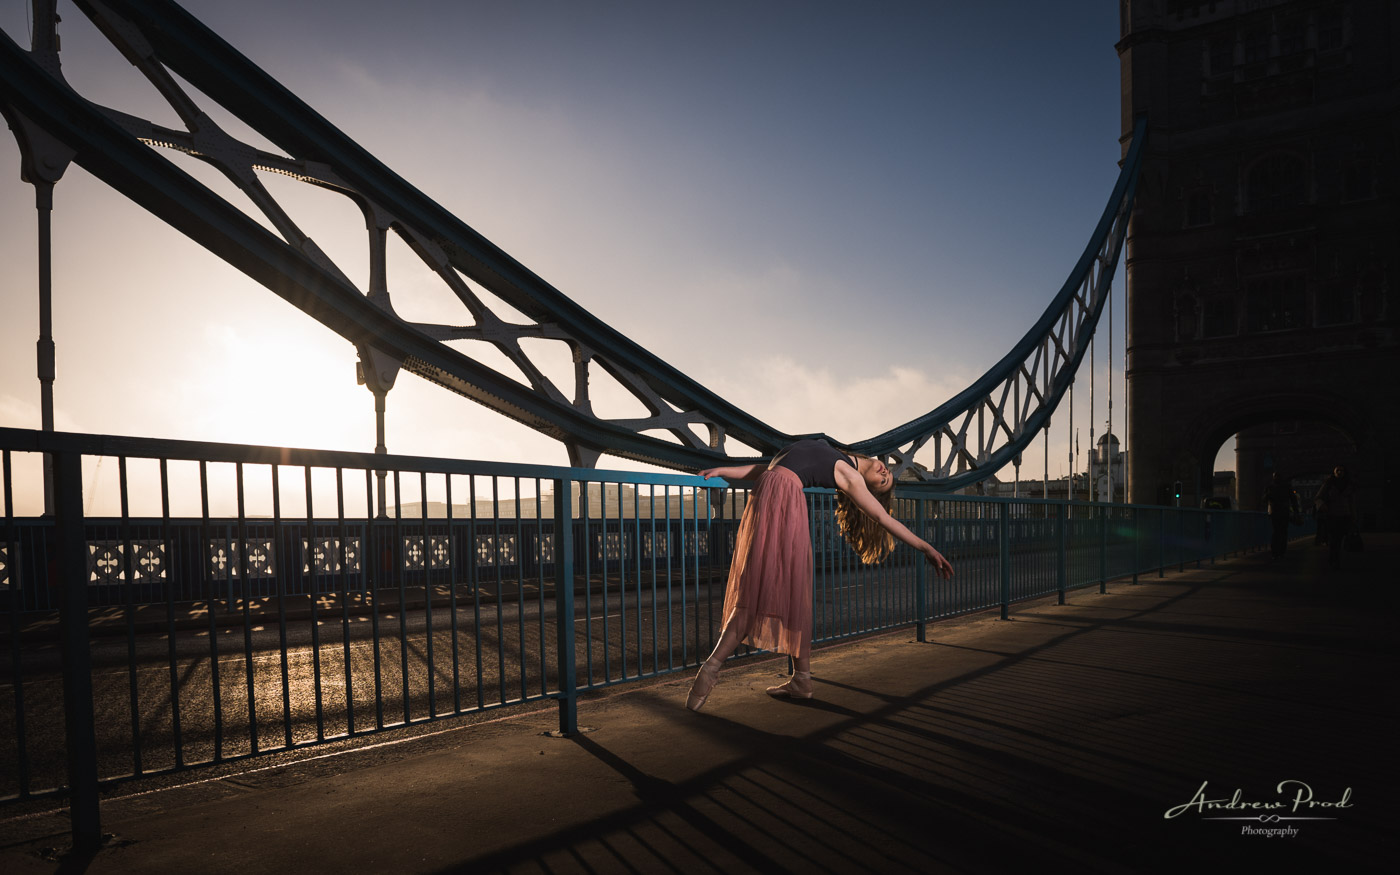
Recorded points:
(292, 386)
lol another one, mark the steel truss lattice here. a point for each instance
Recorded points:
(964, 440)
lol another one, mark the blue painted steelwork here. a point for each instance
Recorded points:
(962, 441)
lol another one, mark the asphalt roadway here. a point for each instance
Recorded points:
(1236, 717)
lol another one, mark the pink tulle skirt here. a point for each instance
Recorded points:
(770, 580)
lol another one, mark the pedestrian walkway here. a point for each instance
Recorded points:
(1068, 736)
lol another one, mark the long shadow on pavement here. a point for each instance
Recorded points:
(1066, 752)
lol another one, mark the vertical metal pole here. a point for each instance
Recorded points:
(1128, 495)
(43, 161)
(453, 566)
(1045, 476)
(1137, 536)
(1103, 548)
(1180, 541)
(1062, 550)
(17, 677)
(380, 449)
(170, 587)
(564, 604)
(1201, 540)
(129, 575)
(1162, 542)
(43, 202)
(1069, 451)
(1093, 447)
(79, 719)
(921, 575)
(1004, 542)
(348, 574)
(400, 579)
(1108, 445)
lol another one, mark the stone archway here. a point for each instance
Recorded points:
(1301, 435)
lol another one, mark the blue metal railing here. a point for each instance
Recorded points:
(309, 614)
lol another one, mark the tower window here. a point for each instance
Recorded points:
(1275, 183)
(1256, 44)
(1198, 208)
(1330, 29)
(1336, 303)
(1218, 318)
(1290, 35)
(1358, 182)
(1221, 53)
(1186, 318)
(1274, 303)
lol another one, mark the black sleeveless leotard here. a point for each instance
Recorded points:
(813, 461)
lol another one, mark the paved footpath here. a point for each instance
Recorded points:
(1065, 737)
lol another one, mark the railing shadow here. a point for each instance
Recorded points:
(977, 772)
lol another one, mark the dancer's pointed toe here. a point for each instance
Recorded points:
(705, 681)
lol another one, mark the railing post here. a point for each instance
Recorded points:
(564, 604)
(1180, 542)
(921, 574)
(79, 721)
(1202, 542)
(1137, 535)
(1004, 541)
(1062, 551)
(1162, 542)
(1103, 548)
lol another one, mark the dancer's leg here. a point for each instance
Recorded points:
(799, 686)
(730, 637)
(729, 640)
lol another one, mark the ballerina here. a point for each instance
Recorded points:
(768, 600)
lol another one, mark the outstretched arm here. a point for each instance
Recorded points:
(735, 472)
(851, 483)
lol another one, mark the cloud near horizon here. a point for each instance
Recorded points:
(799, 398)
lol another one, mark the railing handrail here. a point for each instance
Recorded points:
(34, 441)
(113, 446)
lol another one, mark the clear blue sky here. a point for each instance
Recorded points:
(835, 214)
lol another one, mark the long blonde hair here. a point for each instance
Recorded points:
(871, 541)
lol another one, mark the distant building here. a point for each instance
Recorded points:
(1059, 490)
(1092, 485)
(1109, 467)
(1223, 486)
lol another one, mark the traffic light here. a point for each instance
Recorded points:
(1176, 492)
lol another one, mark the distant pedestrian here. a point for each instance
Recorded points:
(769, 597)
(1337, 501)
(1278, 499)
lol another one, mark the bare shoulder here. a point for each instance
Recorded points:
(847, 478)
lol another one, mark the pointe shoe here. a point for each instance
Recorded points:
(705, 680)
(798, 687)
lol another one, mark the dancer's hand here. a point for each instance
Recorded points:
(937, 559)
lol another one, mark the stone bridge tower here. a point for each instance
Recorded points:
(1264, 248)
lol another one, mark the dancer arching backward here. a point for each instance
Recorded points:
(769, 597)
